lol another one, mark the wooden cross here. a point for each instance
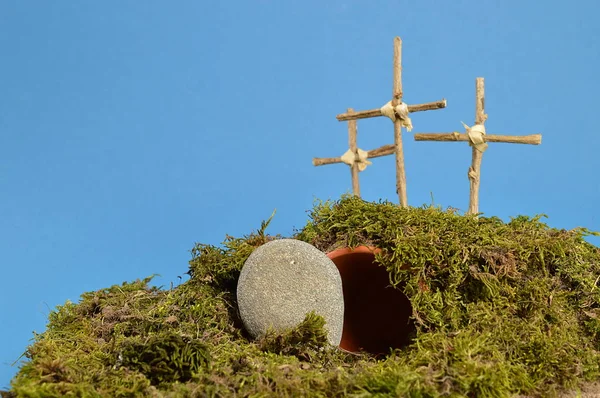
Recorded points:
(355, 158)
(398, 112)
(477, 139)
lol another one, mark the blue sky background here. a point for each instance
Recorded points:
(129, 130)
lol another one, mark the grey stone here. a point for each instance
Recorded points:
(285, 279)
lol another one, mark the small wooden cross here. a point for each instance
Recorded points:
(477, 139)
(355, 157)
(398, 112)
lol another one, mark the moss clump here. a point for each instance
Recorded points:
(500, 309)
(305, 341)
(165, 357)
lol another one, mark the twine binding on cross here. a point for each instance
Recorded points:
(398, 112)
(476, 136)
(360, 157)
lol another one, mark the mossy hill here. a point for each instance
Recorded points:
(500, 308)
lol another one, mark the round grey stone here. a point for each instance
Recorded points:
(285, 279)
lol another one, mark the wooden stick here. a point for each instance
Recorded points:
(396, 100)
(428, 106)
(374, 153)
(382, 151)
(397, 91)
(324, 161)
(475, 169)
(353, 147)
(533, 139)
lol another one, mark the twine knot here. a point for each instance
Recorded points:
(359, 157)
(398, 112)
(476, 136)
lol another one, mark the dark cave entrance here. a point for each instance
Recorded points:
(376, 316)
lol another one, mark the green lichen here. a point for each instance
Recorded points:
(500, 309)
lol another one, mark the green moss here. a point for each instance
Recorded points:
(304, 341)
(500, 309)
(165, 357)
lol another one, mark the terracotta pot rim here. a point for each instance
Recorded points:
(358, 249)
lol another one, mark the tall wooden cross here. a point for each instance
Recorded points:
(355, 158)
(477, 138)
(397, 111)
